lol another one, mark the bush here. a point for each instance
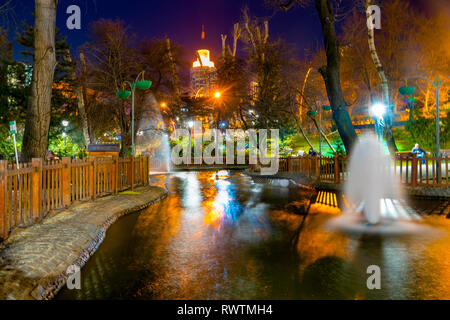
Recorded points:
(67, 149)
(7, 144)
(423, 131)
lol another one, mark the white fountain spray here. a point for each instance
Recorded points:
(371, 180)
(373, 194)
(153, 139)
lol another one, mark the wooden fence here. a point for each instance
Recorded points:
(331, 169)
(409, 170)
(27, 194)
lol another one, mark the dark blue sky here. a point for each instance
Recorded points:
(181, 20)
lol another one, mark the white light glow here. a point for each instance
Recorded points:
(378, 110)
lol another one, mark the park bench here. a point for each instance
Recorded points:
(408, 154)
(404, 154)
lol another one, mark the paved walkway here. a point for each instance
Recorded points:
(33, 262)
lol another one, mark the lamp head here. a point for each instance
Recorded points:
(378, 110)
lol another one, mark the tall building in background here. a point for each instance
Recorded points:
(203, 72)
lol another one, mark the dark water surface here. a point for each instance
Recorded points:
(219, 235)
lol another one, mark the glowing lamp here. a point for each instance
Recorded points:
(217, 95)
(378, 110)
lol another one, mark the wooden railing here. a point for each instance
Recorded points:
(409, 170)
(27, 194)
(331, 169)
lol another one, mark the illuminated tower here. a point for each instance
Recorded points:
(203, 72)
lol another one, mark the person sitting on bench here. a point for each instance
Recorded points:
(419, 152)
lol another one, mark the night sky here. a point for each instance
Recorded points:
(181, 20)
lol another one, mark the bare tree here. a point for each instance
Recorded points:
(37, 125)
(331, 71)
(384, 84)
(112, 59)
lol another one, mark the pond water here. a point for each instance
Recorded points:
(219, 235)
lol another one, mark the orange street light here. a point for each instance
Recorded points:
(163, 105)
(217, 94)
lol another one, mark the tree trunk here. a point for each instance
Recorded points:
(300, 113)
(82, 101)
(126, 141)
(331, 75)
(35, 140)
(173, 69)
(323, 135)
(299, 125)
(388, 135)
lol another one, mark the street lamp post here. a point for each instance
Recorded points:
(65, 124)
(378, 111)
(437, 84)
(142, 85)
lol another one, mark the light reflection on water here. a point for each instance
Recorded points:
(219, 235)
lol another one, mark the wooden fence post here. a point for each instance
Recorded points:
(3, 192)
(309, 166)
(93, 177)
(131, 172)
(337, 177)
(147, 170)
(115, 175)
(36, 188)
(413, 172)
(317, 160)
(66, 176)
(141, 178)
(289, 164)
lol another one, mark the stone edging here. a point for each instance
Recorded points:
(53, 286)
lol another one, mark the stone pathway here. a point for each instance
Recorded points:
(33, 262)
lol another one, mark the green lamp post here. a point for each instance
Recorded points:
(125, 94)
(437, 84)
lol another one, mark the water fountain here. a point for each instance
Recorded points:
(153, 139)
(374, 197)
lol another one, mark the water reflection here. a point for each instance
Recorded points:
(219, 235)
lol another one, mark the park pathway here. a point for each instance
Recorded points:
(34, 261)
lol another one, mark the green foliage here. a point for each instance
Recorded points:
(338, 145)
(423, 131)
(67, 149)
(7, 143)
(286, 142)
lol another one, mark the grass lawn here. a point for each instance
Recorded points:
(402, 139)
